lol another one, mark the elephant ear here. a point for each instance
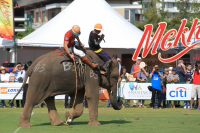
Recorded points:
(114, 56)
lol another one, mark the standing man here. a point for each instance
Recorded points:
(156, 85)
(134, 72)
(196, 85)
(181, 71)
(69, 45)
(26, 86)
(20, 75)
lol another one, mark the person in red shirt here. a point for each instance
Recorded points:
(69, 45)
(196, 85)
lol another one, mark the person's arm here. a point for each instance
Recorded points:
(16, 68)
(66, 43)
(169, 78)
(79, 42)
(161, 75)
(145, 72)
(184, 69)
(95, 40)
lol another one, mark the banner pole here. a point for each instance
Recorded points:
(15, 44)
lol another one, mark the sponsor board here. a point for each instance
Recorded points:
(179, 91)
(9, 90)
(133, 90)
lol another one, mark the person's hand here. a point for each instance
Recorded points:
(183, 65)
(102, 36)
(143, 69)
(72, 56)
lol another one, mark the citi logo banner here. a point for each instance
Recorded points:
(179, 92)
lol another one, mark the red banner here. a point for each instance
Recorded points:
(159, 39)
(6, 19)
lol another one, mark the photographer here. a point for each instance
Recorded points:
(181, 71)
(156, 86)
(196, 85)
(143, 76)
(173, 77)
(19, 76)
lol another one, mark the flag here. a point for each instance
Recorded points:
(6, 19)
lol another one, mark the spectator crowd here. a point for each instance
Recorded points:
(159, 77)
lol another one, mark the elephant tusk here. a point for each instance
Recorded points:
(111, 92)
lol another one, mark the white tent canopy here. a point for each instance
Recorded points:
(119, 33)
(6, 43)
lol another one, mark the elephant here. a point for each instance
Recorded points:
(52, 74)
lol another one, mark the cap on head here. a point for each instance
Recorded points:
(10, 69)
(118, 59)
(174, 69)
(98, 27)
(139, 58)
(76, 30)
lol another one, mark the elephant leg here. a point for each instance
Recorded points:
(26, 114)
(78, 107)
(92, 94)
(53, 114)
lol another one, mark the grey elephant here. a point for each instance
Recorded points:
(50, 76)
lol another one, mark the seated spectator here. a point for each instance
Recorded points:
(4, 75)
(173, 77)
(12, 75)
(143, 76)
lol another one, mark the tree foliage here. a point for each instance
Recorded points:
(21, 35)
(153, 15)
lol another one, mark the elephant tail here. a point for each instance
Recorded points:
(25, 79)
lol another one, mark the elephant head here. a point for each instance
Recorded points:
(113, 75)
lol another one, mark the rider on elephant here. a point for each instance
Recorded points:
(94, 44)
(69, 45)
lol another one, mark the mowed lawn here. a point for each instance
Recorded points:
(126, 120)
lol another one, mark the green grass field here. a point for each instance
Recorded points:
(126, 120)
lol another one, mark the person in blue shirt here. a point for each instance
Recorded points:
(156, 85)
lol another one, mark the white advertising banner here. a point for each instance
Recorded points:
(179, 91)
(9, 90)
(133, 90)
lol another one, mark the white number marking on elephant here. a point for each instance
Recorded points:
(93, 75)
(42, 68)
(67, 66)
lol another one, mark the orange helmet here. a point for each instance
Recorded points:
(76, 30)
(98, 27)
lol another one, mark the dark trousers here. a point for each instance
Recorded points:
(24, 94)
(159, 93)
(18, 104)
(66, 102)
(103, 56)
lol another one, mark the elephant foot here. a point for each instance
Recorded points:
(57, 122)
(54, 118)
(94, 123)
(69, 117)
(24, 123)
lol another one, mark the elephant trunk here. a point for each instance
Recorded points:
(115, 102)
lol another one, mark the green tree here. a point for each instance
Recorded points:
(21, 35)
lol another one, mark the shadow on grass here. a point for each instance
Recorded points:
(86, 122)
(102, 122)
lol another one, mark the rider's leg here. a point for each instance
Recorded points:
(106, 58)
(81, 54)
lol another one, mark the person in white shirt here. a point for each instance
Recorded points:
(19, 72)
(4, 75)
